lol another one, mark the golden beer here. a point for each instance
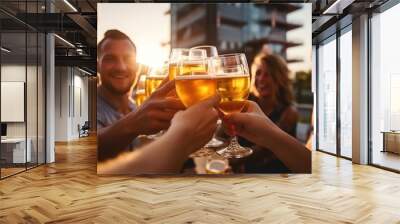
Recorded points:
(194, 88)
(192, 68)
(186, 69)
(152, 83)
(140, 97)
(172, 71)
(233, 90)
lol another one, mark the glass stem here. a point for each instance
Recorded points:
(234, 144)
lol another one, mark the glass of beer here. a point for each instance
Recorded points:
(211, 52)
(233, 85)
(140, 94)
(193, 83)
(195, 64)
(177, 55)
(153, 81)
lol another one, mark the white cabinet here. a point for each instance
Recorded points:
(13, 150)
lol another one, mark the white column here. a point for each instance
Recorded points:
(360, 90)
(50, 92)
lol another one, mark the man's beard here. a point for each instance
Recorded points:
(119, 91)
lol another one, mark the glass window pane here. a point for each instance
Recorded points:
(327, 96)
(346, 94)
(31, 97)
(23, 87)
(385, 84)
(13, 85)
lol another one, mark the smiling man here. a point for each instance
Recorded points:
(119, 122)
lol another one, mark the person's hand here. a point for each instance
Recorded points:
(256, 127)
(251, 124)
(156, 112)
(195, 126)
(172, 92)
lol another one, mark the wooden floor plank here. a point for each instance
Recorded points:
(69, 191)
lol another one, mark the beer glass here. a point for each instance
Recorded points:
(193, 83)
(233, 85)
(192, 89)
(177, 55)
(140, 94)
(211, 52)
(196, 64)
(153, 81)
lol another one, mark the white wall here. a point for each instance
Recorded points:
(71, 94)
(15, 73)
(61, 103)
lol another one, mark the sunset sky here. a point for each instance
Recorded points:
(145, 23)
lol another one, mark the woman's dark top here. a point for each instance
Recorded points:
(263, 160)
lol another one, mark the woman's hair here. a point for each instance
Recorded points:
(276, 67)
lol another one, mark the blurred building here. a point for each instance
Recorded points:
(234, 27)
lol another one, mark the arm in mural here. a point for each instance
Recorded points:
(258, 128)
(153, 116)
(190, 130)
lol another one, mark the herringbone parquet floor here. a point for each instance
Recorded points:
(69, 191)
